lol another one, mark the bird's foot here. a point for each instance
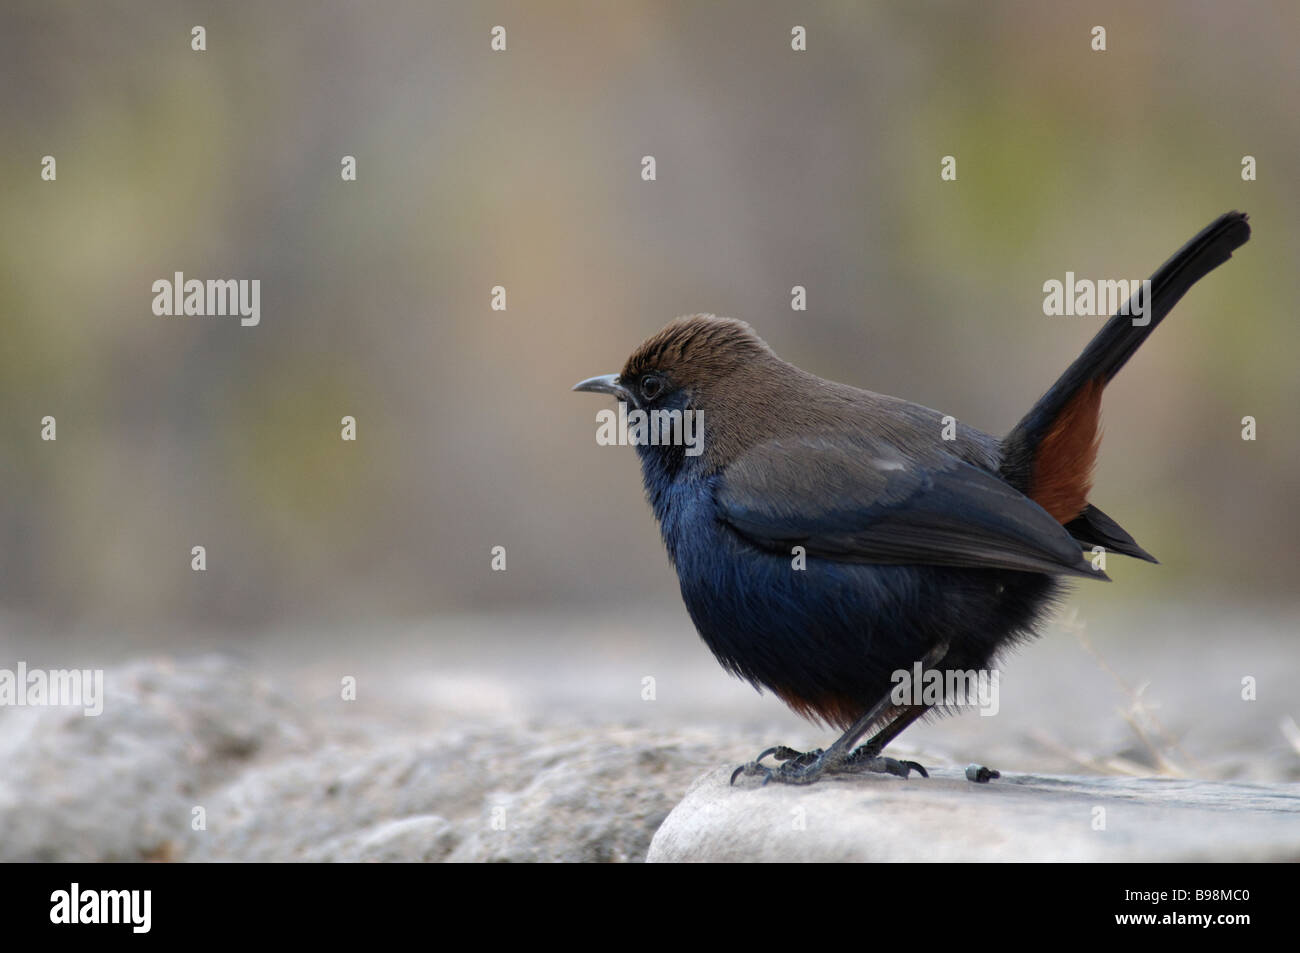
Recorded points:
(867, 758)
(786, 755)
(805, 767)
(795, 758)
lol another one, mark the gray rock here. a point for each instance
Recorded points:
(120, 786)
(278, 781)
(591, 803)
(423, 839)
(500, 793)
(1015, 818)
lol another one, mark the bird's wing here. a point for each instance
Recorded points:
(861, 499)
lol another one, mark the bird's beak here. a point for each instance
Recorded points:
(605, 384)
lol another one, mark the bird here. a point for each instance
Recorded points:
(827, 538)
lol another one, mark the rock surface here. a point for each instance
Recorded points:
(948, 818)
(120, 786)
(488, 795)
(204, 761)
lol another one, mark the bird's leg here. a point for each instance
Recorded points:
(880, 739)
(869, 753)
(805, 768)
(841, 757)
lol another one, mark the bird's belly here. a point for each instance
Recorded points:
(828, 637)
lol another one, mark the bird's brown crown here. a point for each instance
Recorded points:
(697, 348)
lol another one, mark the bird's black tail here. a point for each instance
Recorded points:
(1049, 454)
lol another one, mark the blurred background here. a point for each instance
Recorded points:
(522, 169)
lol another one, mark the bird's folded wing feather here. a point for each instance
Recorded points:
(861, 499)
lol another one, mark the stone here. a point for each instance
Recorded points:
(1019, 817)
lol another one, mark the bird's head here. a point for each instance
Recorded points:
(680, 365)
(714, 367)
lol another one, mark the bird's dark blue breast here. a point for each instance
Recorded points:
(828, 637)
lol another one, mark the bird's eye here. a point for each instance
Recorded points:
(651, 386)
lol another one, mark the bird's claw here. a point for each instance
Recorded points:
(785, 753)
(869, 755)
(750, 769)
(899, 768)
(787, 756)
